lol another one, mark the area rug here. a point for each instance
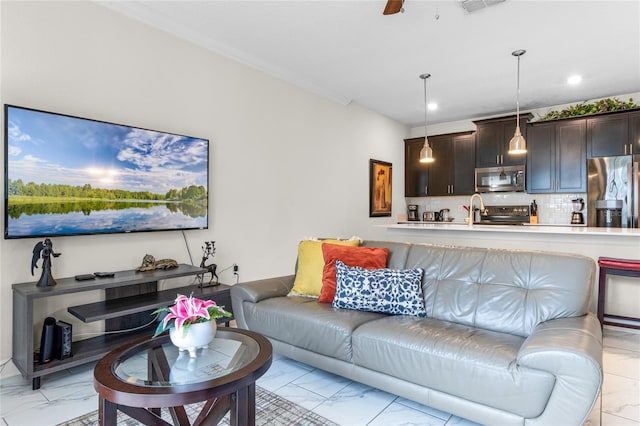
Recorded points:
(271, 410)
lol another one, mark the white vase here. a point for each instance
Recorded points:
(182, 371)
(197, 336)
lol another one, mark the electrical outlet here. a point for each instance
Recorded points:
(235, 269)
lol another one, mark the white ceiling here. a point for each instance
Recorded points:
(348, 51)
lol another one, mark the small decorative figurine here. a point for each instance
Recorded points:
(44, 248)
(149, 263)
(208, 250)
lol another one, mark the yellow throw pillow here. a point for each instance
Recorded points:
(308, 280)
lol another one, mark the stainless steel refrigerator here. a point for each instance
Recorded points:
(613, 188)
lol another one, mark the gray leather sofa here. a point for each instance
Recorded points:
(507, 339)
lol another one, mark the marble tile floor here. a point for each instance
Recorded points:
(70, 393)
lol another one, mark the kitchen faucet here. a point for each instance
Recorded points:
(471, 211)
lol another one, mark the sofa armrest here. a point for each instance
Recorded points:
(255, 291)
(571, 350)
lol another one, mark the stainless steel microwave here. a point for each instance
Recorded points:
(500, 179)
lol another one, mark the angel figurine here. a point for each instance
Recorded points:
(44, 249)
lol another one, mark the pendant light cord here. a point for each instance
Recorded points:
(518, 96)
(425, 109)
(518, 53)
(424, 78)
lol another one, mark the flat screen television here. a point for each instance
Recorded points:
(67, 175)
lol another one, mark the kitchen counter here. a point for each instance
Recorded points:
(522, 229)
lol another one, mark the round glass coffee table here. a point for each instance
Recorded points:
(145, 375)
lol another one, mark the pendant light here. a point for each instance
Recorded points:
(517, 144)
(426, 153)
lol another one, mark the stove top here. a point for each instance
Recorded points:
(505, 215)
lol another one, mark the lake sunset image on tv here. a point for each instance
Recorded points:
(68, 175)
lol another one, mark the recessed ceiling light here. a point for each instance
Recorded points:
(432, 106)
(574, 79)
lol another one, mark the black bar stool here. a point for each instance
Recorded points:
(622, 267)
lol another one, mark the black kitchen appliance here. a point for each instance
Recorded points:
(429, 216)
(412, 212)
(577, 218)
(500, 179)
(504, 215)
(442, 215)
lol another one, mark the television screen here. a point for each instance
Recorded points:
(68, 175)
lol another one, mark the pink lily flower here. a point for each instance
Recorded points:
(188, 309)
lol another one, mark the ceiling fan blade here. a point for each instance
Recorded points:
(392, 7)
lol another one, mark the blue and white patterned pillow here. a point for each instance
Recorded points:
(391, 291)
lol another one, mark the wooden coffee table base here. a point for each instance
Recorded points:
(240, 404)
(234, 392)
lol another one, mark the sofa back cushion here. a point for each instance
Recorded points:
(398, 252)
(509, 291)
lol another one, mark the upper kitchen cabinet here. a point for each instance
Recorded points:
(634, 132)
(556, 156)
(464, 154)
(492, 141)
(451, 173)
(608, 135)
(416, 174)
(541, 142)
(441, 170)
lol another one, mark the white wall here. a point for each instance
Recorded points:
(284, 163)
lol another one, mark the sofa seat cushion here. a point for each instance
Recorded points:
(474, 364)
(307, 324)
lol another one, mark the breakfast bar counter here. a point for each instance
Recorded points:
(557, 229)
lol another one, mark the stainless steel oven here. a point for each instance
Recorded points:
(505, 215)
(500, 179)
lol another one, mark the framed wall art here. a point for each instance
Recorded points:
(379, 188)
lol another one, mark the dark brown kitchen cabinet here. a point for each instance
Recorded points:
(541, 157)
(488, 139)
(416, 174)
(556, 157)
(464, 153)
(492, 141)
(441, 170)
(634, 132)
(451, 173)
(608, 135)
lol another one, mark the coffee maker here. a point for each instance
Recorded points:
(412, 212)
(577, 218)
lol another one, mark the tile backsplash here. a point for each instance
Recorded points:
(553, 209)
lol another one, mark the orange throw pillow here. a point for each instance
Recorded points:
(364, 257)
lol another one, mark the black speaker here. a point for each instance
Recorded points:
(47, 340)
(62, 347)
